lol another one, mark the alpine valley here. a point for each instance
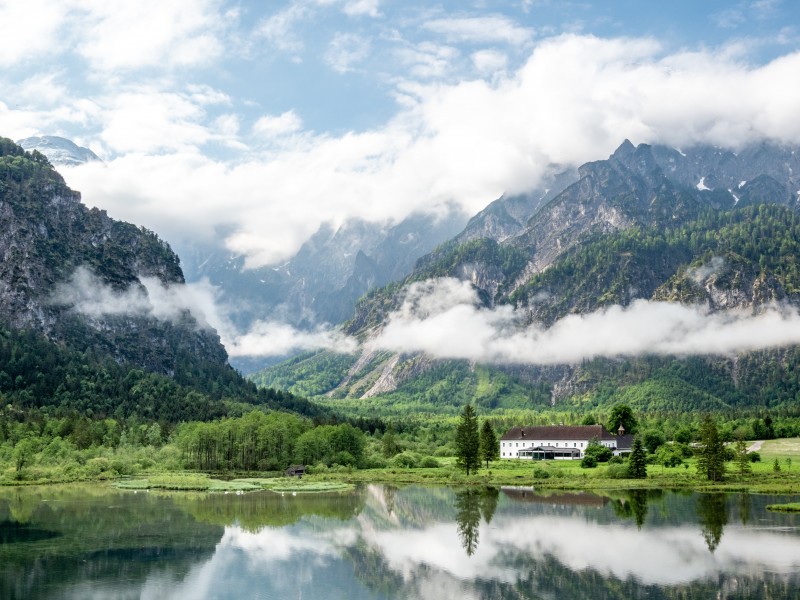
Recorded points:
(89, 325)
(698, 226)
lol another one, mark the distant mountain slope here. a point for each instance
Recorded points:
(74, 300)
(649, 222)
(322, 282)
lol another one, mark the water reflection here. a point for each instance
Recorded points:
(712, 511)
(633, 505)
(384, 542)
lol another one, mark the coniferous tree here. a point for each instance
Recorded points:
(742, 458)
(711, 454)
(468, 441)
(489, 450)
(637, 467)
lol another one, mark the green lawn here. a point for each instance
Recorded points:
(782, 448)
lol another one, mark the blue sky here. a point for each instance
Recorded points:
(267, 119)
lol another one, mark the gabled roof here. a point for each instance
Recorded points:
(625, 441)
(558, 432)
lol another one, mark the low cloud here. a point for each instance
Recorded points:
(271, 338)
(465, 143)
(703, 272)
(87, 294)
(443, 318)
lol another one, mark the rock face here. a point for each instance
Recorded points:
(47, 236)
(332, 270)
(59, 151)
(564, 257)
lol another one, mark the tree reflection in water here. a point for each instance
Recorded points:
(634, 505)
(712, 512)
(470, 506)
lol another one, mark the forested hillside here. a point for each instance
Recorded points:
(109, 361)
(632, 227)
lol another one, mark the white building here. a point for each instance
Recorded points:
(560, 441)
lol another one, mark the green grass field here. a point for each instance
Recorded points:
(783, 448)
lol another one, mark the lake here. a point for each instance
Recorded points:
(92, 541)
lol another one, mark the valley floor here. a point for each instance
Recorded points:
(554, 475)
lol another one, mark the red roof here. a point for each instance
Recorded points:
(559, 432)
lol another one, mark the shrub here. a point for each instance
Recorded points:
(617, 471)
(405, 460)
(429, 462)
(588, 462)
(541, 473)
(598, 451)
(375, 461)
(96, 466)
(754, 457)
(344, 458)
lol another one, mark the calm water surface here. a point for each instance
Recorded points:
(383, 542)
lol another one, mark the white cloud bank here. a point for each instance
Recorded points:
(87, 294)
(442, 318)
(575, 99)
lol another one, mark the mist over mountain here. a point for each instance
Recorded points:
(95, 313)
(606, 260)
(326, 277)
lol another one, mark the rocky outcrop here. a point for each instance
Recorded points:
(47, 236)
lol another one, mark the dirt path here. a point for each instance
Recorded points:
(755, 446)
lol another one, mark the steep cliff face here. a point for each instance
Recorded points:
(47, 236)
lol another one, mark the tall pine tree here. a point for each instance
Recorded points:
(711, 454)
(489, 449)
(468, 441)
(637, 466)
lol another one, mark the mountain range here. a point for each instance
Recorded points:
(700, 226)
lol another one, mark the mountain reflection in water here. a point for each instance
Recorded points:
(386, 542)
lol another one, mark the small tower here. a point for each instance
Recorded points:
(621, 430)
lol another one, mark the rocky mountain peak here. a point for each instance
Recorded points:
(59, 151)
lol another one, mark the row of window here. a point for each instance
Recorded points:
(516, 444)
(566, 444)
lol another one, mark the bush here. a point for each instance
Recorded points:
(588, 462)
(96, 466)
(344, 458)
(617, 471)
(122, 466)
(429, 462)
(540, 473)
(375, 461)
(598, 451)
(405, 460)
(616, 460)
(754, 457)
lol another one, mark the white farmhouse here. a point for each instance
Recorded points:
(560, 441)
